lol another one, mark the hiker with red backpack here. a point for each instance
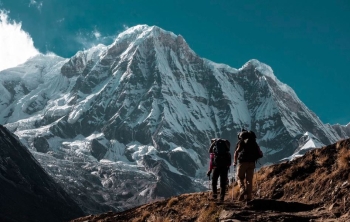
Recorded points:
(247, 153)
(220, 161)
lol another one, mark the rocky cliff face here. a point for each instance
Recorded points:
(146, 106)
(343, 131)
(27, 192)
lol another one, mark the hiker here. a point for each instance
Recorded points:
(247, 153)
(239, 136)
(220, 163)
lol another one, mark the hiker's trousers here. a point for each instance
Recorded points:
(245, 173)
(222, 173)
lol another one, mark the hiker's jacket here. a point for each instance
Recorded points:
(246, 152)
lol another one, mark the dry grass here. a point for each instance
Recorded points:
(186, 207)
(143, 217)
(322, 176)
(210, 213)
(265, 172)
(172, 202)
(344, 159)
(233, 191)
(322, 160)
(154, 218)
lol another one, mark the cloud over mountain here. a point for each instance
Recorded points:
(16, 44)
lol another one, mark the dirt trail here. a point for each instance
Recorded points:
(197, 207)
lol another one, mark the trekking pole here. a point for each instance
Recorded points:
(228, 180)
(256, 184)
(233, 181)
(209, 187)
(209, 182)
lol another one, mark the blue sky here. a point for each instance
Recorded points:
(307, 43)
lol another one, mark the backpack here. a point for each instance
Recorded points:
(222, 156)
(246, 135)
(250, 149)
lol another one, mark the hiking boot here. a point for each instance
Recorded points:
(215, 196)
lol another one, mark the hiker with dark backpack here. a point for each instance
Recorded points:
(220, 163)
(247, 153)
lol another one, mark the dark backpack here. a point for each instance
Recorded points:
(222, 156)
(246, 135)
(250, 149)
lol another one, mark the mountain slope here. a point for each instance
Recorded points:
(146, 106)
(311, 188)
(343, 131)
(27, 192)
(320, 176)
(307, 142)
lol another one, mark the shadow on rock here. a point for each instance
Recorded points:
(282, 206)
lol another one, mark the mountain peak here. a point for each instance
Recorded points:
(141, 32)
(259, 66)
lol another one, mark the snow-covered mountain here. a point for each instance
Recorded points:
(343, 131)
(307, 142)
(132, 121)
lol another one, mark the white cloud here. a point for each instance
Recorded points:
(92, 38)
(84, 39)
(36, 4)
(97, 34)
(16, 45)
(60, 20)
(32, 2)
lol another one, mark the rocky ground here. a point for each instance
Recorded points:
(197, 207)
(314, 187)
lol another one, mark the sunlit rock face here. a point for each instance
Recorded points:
(124, 124)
